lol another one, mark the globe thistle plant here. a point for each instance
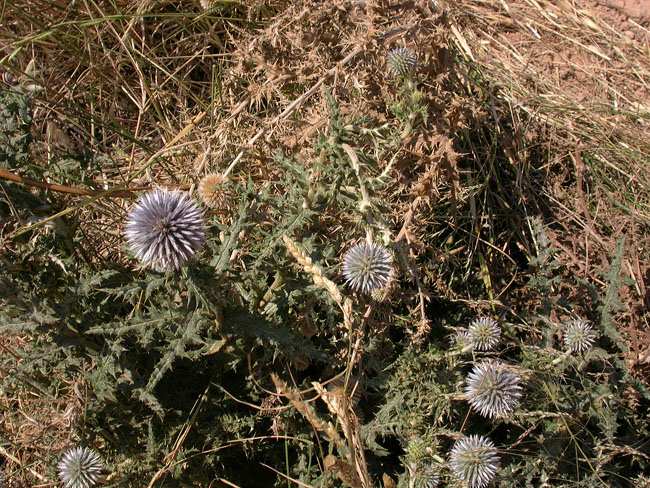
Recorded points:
(401, 61)
(474, 460)
(80, 467)
(484, 333)
(164, 229)
(367, 267)
(492, 389)
(579, 336)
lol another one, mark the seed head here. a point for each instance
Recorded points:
(164, 229)
(484, 333)
(352, 393)
(212, 191)
(579, 336)
(474, 460)
(367, 267)
(401, 61)
(492, 389)
(80, 467)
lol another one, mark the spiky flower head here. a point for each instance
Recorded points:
(474, 460)
(426, 476)
(579, 336)
(492, 389)
(367, 267)
(212, 191)
(401, 61)
(417, 450)
(164, 229)
(484, 333)
(80, 467)
(462, 339)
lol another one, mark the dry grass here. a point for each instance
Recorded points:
(575, 71)
(550, 88)
(35, 426)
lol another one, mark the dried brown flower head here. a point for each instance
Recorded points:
(212, 191)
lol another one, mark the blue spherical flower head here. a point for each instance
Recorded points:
(579, 336)
(426, 476)
(80, 467)
(492, 389)
(484, 333)
(367, 267)
(164, 229)
(474, 460)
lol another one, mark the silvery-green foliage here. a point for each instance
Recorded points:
(611, 303)
(492, 389)
(578, 336)
(401, 61)
(485, 333)
(15, 123)
(80, 467)
(164, 229)
(474, 460)
(367, 267)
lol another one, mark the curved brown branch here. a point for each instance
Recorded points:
(73, 190)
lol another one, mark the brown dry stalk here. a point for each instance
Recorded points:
(340, 405)
(180, 440)
(347, 418)
(14, 459)
(74, 190)
(313, 269)
(309, 413)
(172, 143)
(321, 280)
(92, 194)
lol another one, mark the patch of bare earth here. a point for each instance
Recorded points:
(632, 8)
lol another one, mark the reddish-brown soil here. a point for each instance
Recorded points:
(589, 57)
(639, 9)
(630, 17)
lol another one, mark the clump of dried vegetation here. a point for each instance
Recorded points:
(502, 174)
